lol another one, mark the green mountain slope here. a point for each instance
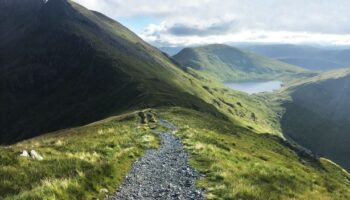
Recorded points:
(227, 63)
(83, 162)
(65, 66)
(62, 65)
(317, 115)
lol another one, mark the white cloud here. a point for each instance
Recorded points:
(215, 21)
(250, 36)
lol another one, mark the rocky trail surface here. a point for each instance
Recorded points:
(163, 173)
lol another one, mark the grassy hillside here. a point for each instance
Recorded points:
(227, 63)
(77, 163)
(317, 115)
(237, 162)
(63, 65)
(70, 66)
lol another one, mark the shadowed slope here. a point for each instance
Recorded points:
(62, 65)
(318, 118)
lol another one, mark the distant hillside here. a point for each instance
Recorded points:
(318, 115)
(231, 64)
(309, 57)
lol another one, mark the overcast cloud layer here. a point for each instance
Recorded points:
(188, 22)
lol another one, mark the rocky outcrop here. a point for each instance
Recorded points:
(33, 154)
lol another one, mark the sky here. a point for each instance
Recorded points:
(197, 22)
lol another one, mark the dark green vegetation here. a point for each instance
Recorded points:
(62, 65)
(318, 115)
(313, 58)
(227, 63)
(237, 162)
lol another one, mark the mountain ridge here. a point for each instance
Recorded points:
(309, 57)
(77, 67)
(227, 63)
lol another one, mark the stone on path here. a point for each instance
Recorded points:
(161, 174)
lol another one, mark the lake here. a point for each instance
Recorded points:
(254, 87)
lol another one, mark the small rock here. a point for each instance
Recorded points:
(103, 190)
(24, 154)
(35, 155)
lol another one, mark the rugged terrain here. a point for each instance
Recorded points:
(235, 162)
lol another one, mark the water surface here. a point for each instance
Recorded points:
(254, 87)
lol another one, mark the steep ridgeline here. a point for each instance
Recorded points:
(62, 65)
(318, 116)
(227, 63)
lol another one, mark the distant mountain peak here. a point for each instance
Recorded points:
(228, 63)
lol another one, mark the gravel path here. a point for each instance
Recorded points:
(161, 174)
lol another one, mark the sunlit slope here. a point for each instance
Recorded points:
(227, 63)
(83, 162)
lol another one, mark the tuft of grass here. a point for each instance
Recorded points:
(77, 163)
(237, 163)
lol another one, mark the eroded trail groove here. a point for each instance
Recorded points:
(161, 174)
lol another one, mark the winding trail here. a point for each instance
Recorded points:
(162, 174)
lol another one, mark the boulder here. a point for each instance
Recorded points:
(24, 154)
(35, 155)
(104, 190)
